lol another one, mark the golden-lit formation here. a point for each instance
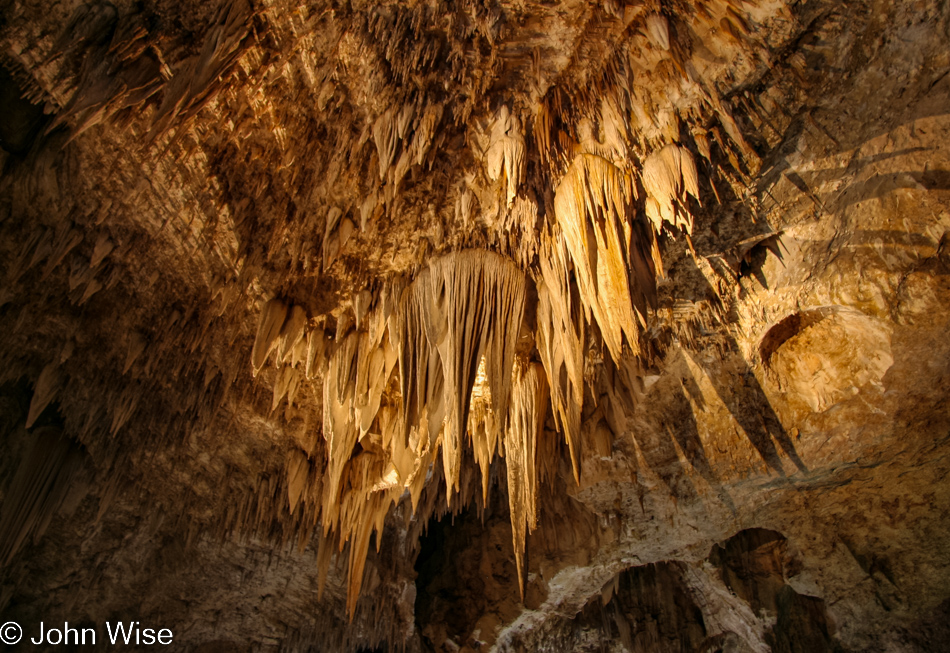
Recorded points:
(445, 363)
(469, 325)
(519, 198)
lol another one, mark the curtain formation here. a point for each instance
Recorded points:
(424, 370)
(428, 368)
(544, 207)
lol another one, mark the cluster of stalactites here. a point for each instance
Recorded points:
(599, 263)
(43, 481)
(668, 176)
(398, 381)
(465, 307)
(626, 138)
(506, 153)
(285, 331)
(431, 366)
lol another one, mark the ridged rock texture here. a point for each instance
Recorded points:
(510, 325)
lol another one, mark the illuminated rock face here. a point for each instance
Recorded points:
(452, 326)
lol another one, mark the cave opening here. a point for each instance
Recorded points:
(755, 564)
(467, 581)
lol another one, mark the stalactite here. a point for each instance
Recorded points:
(268, 330)
(560, 341)
(668, 176)
(475, 302)
(298, 467)
(316, 346)
(529, 405)
(659, 31)
(482, 429)
(192, 86)
(44, 392)
(453, 328)
(506, 152)
(421, 383)
(416, 372)
(291, 333)
(592, 205)
(42, 481)
(339, 427)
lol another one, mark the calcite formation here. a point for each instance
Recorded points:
(442, 326)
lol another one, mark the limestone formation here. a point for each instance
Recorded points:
(456, 326)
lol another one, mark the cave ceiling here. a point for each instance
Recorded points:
(509, 325)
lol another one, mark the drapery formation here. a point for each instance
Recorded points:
(398, 389)
(443, 363)
(418, 372)
(570, 178)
